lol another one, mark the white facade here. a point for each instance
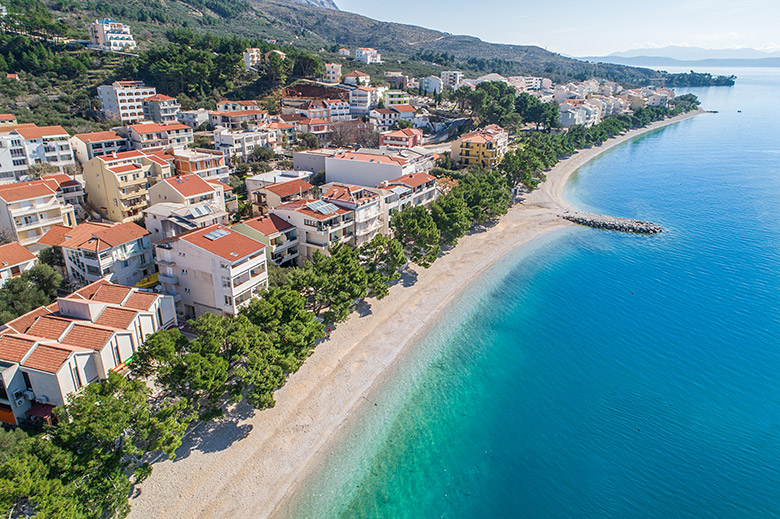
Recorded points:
(166, 220)
(451, 79)
(372, 167)
(362, 100)
(253, 58)
(319, 225)
(193, 118)
(213, 269)
(396, 97)
(368, 55)
(30, 209)
(111, 35)
(430, 85)
(332, 72)
(23, 145)
(239, 143)
(87, 146)
(123, 100)
(365, 203)
(15, 260)
(154, 135)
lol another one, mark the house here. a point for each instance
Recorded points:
(320, 128)
(30, 209)
(368, 55)
(318, 224)
(207, 164)
(110, 35)
(252, 58)
(370, 167)
(396, 97)
(153, 135)
(235, 106)
(405, 138)
(274, 52)
(279, 237)
(54, 351)
(397, 80)
(117, 185)
(357, 78)
(87, 146)
(169, 219)
(362, 100)
(267, 196)
(15, 259)
(238, 119)
(123, 100)
(71, 190)
(161, 109)
(23, 145)
(332, 73)
(363, 202)
(383, 118)
(344, 52)
(240, 143)
(407, 191)
(212, 270)
(451, 79)
(193, 118)
(483, 147)
(7, 119)
(190, 190)
(431, 85)
(120, 253)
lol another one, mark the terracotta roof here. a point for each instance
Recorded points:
(41, 131)
(125, 168)
(22, 323)
(49, 327)
(406, 132)
(13, 254)
(13, 348)
(413, 180)
(348, 193)
(215, 182)
(385, 111)
(88, 291)
(94, 236)
(370, 157)
(88, 336)
(61, 179)
(113, 294)
(291, 187)
(300, 206)
(189, 185)
(232, 246)
(25, 191)
(55, 235)
(122, 155)
(268, 224)
(140, 300)
(279, 126)
(356, 73)
(160, 97)
(235, 113)
(6, 117)
(154, 127)
(116, 317)
(403, 108)
(49, 357)
(98, 136)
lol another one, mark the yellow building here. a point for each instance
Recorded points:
(483, 147)
(117, 185)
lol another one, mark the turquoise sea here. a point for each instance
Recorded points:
(596, 374)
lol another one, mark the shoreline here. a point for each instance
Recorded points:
(252, 465)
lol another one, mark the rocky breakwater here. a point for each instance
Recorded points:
(613, 223)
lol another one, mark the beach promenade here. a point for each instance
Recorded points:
(249, 464)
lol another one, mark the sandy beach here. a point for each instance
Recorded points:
(250, 463)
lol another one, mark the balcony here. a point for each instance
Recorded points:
(166, 263)
(133, 181)
(125, 195)
(168, 280)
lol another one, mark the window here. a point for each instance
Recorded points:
(228, 300)
(184, 271)
(225, 282)
(187, 290)
(74, 373)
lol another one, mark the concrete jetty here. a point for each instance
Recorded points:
(613, 223)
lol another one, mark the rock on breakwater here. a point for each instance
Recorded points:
(613, 223)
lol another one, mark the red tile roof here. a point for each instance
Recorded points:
(116, 317)
(231, 247)
(113, 294)
(160, 97)
(49, 357)
(356, 73)
(88, 291)
(125, 168)
(215, 182)
(348, 193)
(140, 300)
(94, 236)
(49, 327)
(291, 187)
(413, 180)
(154, 127)
(189, 185)
(13, 348)
(88, 336)
(236, 113)
(25, 191)
(42, 131)
(98, 136)
(13, 254)
(403, 108)
(22, 323)
(268, 225)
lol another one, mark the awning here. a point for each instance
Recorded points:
(40, 410)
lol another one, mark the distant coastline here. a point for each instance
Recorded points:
(258, 474)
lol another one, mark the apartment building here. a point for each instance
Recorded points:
(253, 58)
(396, 97)
(383, 118)
(362, 100)
(7, 119)
(265, 197)
(123, 100)
(169, 219)
(207, 164)
(111, 35)
(397, 80)
(406, 138)
(190, 190)
(120, 253)
(71, 191)
(240, 143)
(319, 225)
(161, 108)
(371, 167)
(117, 185)
(193, 118)
(238, 119)
(153, 135)
(368, 55)
(451, 79)
(235, 106)
(213, 269)
(23, 145)
(87, 146)
(54, 351)
(30, 209)
(483, 147)
(279, 237)
(14, 260)
(407, 191)
(357, 78)
(364, 202)
(344, 52)
(332, 73)
(431, 85)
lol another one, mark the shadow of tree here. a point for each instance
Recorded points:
(408, 277)
(363, 308)
(219, 434)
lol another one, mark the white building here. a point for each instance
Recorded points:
(357, 78)
(14, 260)
(207, 164)
(363, 202)
(161, 108)
(451, 79)
(30, 209)
(431, 85)
(280, 238)
(87, 146)
(213, 269)
(193, 118)
(407, 191)
(167, 219)
(240, 143)
(363, 99)
(344, 52)
(189, 190)
(371, 167)
(23, 145)
(332, 73)
(123, 100)
(54, 351)
(120, 253)
(110, 35)
(368, 55)
(153, 135)
(253, 58)
(319, 225)
(397, 97)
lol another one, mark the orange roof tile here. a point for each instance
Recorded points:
(403, 108)
(160, 97)
(113, 294)
(13, 254)
(189, 185)
(154, 127)
(49, 327)
(288, 188)
(88, 291)
(42, 131)
(88, 336)
(25, 191)
(413, 180)
(232, 247)
(13, 348)
(98, 136)
(268, 224)
(95, 236)
(49, 357)
(22, 323)
(140, 300)
(116, 317)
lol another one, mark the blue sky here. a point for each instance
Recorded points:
(596, 27)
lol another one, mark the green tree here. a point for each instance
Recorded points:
(486, 194)
(308, 140)
(382, 258)
(452, 217)
(415, 228)
(35, 287)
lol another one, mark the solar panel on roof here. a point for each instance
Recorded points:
(216, 234)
